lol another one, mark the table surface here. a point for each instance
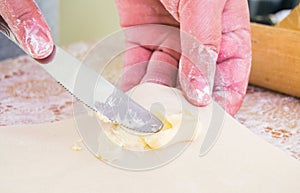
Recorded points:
(28, 95)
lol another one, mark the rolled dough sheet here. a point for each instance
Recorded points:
(39, 158)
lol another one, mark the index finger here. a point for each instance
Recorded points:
(25, 20)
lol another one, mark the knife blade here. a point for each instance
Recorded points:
(97, 93)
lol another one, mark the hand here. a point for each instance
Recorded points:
(26, 22)
(216, 65)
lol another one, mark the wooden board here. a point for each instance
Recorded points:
(38, 158)
(276, 59)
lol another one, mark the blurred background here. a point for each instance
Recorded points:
(270, 12)
(86, 20)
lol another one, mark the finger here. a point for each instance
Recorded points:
(29, 27)
(138, 12)
(162, 43)
(234, 61)
(134, 15)
(162, 69)
(200, 24)
(156, 63)
(163, 64)
(135, 65)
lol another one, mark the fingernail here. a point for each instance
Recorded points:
(201, 92)
(38, 41)
(197, 91)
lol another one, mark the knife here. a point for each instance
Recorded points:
(96, 92)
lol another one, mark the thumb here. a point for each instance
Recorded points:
(201, 31)
(28, 25)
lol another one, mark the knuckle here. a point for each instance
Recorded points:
(24, 14)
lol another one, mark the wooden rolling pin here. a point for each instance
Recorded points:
(276, 57)
(292, 21)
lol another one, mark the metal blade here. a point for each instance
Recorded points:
(99, 94)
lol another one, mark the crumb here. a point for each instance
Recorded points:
(77, 146)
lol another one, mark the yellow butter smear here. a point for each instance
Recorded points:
(134, 141)
(166, 124)
(154, 141)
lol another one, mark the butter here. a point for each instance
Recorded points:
(133, 141)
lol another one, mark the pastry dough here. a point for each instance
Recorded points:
(39, 158)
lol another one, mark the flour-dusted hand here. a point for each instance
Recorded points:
(215, 48)
(26, 22)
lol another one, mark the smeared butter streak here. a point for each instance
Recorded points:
(134, 141)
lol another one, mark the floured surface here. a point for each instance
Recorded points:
(40, 158)
(29, 95)
(274, 117)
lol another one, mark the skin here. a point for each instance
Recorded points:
(209, 55)
(221, 28)
(26, 22)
